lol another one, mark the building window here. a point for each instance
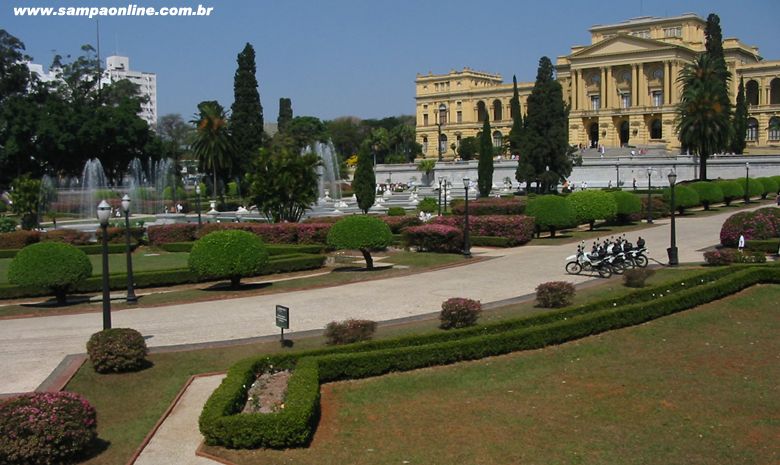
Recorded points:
(644, 33)
(625, 100)
(658, 74)
(752, 130)
(656, 129)
(459, 116)
(443, 143)
(658, 98)
(425, 119)
(751, 92)
(595, 102)
(774, 92)
(774, 128)
(481, 111)
(673, 31)
(425, 144)
(498, 113)
(498, 139)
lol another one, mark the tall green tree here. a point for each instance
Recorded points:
(739, 122)
(714, 48)
(364, 181)
(485, 164)
(516, 133)
(213, 142)
(175, 135)
(285, 114)
(246, 119)
(14, 75)
(468, 148)
(544, 147)
(304, 131)
(347, 133)
(703, 122)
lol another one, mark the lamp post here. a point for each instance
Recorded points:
(466, 244)
(617, 175)
(103, 213)
(197, 203)
(649, 198)
(131, 298)
(672, 250)
(440, 179)
(447, 186)
(442, 113)
(747, 183)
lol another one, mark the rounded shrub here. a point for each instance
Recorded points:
(551, 213)
(45, 428)
(770, 186)
(776, 179)
(428, 205)
(732, 190)
(349, 331)
(117, 350)
(636, 277)
(396, 211)
(228, 254)
(709, 193)
(593, 205)
(459, 313)
(684, 197)
(56, 266)
(7, 224)
(360, 232)
(755, 188)
(753, 225)
(554, 294)
(628, 204)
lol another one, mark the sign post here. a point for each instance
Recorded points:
(282, 320)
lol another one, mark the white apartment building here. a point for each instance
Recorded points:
(118, 68)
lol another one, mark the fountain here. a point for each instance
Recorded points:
(328, 171)
(93, 180)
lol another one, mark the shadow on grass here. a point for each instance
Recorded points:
(52, 302)
(348, 269)
(225, 286)
(94, 449)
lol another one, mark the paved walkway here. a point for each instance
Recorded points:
(30, 348)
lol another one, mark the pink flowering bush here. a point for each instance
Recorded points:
(434, 238)
(727, 256)
(518, 229)
(554, 294)
(117, 350)
(490, 206)
(45, 428)
(399, 223)
(165, 234)
(349, 331)
(459, 313)
(278, 233)
(756, 225)
(18, 239)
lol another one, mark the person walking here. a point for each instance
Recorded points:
(741, 244)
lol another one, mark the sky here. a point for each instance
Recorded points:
(352, 57)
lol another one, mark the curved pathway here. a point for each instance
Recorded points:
(30, 348)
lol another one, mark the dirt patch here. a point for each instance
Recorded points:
(266, 395)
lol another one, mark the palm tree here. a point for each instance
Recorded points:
(703, 114)
(213, 144)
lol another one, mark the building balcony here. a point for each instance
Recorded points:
(635, 110)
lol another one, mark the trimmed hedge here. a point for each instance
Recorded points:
(592, 205)
(489, 206)
(398, 223)
(770, 186)
(709, 193)
(228, 255)
(732, 190)
(551, 213)
(221, 424)
(684, 197)
(117, 350)
(18, 239)
(92, 249)
(273, 249)
(516, 229)
(770, 246)
(729, 256)
(628, 205)
(55, 266)
(490, 241)
(434, 238)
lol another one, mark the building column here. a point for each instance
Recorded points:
(603, 88)
(762, 92)
(574, 93)
(642, 86)
(667, 78)
(634, 86)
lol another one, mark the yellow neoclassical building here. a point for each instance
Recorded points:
(621, 89)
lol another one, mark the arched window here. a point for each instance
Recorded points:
(443, 143)
(774, 92)
(774, 128)
(498, 113)
(656, 130)
(481, 111)
(498, 139)
(425, 144)
(752, 130)
(751, 92)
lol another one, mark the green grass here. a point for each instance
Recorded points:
(130, 404)
(697, 387)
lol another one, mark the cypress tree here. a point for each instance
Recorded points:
(485, 165)
(740, 121)
(364, 182)
(714, 46)
(246, 120)
(516, 133)
(285, 114)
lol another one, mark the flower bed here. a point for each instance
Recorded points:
(517, 229)
(490, 206)
(757, 225)
(434, 238)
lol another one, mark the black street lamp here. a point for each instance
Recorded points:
(440, 180)
(131, 298)
(747, 183)
(103, 213)
(617, 170)
(197, 203)
(447, 185)
(672, 250)
(649, 198)
(442, 116)
(466, 243)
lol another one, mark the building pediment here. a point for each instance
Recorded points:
(621, 44)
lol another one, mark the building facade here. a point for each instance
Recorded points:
(118, 68)
(621, 89)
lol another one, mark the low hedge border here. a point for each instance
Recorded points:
(118, 281)
(221, 424)
(273, 249)
(489, 241)
(769, 246)
(94, 249)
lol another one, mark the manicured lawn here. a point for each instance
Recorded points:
(697, 387)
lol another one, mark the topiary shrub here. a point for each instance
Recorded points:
(117, 350)
(757, 225)
(45, 428)
(554, 294)
(684, 197)
(593, 205)
(7, 224)
(69, 236)
(776, 179)
(636, 277)
(428, 205)
(628, 205)
(56, 266)
(732, 190)
(228, 254)
(754, 187)
(658, 208)
(360, 232)
(551, 213)
(349, 331)
(396, 211)
(459, 313)
(770, 186)
(709, 193)
(728, 256)
(434, 238)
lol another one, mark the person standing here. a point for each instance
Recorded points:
(741, 244)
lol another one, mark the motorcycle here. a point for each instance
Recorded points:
(582, 261)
